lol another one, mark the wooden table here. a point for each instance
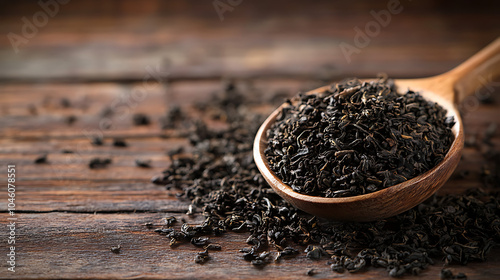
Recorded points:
(93, 55)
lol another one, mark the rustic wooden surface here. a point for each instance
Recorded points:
(69, 216)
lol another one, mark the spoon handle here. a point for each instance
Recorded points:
(475, 73)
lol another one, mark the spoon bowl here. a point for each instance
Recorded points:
(447, 90)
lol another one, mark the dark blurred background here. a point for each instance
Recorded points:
(116, 40)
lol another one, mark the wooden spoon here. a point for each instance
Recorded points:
(448, 90)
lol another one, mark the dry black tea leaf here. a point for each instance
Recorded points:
(97, 163)
(116, 249)
(218, 177)
(140, 119)
(356, 138)
(71, 119)
(202, 257)
(144, 163)
(97, 141)
(41, 159)
(118, 142)
(65, 103)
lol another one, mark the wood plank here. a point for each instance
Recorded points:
(69, 216)
(57, 148)
(89, 100)
(122, 187)
(64, 185)
(94, 196)
(78, 246)
(301, 41)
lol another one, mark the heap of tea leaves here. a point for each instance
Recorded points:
(221, 181)
(356, 138)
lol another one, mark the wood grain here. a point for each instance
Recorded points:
(252, 40)
(70, 216)
(79, 247)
